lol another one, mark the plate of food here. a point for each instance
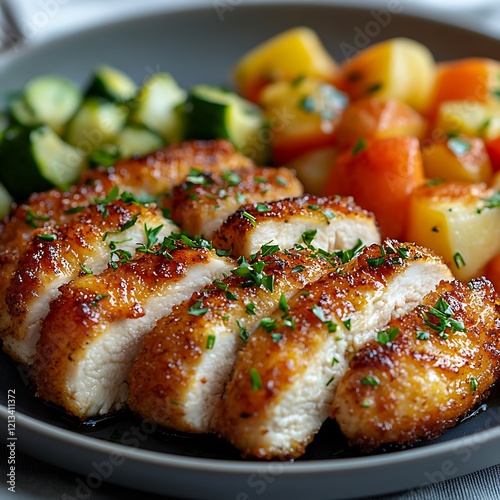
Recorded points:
(257, 266)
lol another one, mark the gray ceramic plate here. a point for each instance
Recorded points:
(197, 46)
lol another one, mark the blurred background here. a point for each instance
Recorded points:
(31, 21)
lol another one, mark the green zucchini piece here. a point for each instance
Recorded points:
(111, 84)
(138, 140)
(6, 201)
(22, 114)
(96, 122)
(52, 100)
(213, 112)
(157, 107)
(37, 159)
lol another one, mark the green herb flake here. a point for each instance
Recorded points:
(421, 335)
(86, 270)
(32, 218)
(255, 380)
(244, 335)
(473, 383)
(281, 180)
(268, 324)
(328, 214)
(459, 260)
(298, 269)
(276, 337)
(347, 324)
(47, 236)
(231, 296)
(360, 146)
(210, 341)
(313, 207)
(232, 178)
(196, 309)
(374, 88)
(261, 208)
(261, 180)
(434, 182)
(493, 201)
(443, 313)
(319, 313)
(223, 253)
(250, 308)
(332, 378)
(308, 236)
(386, 336)
(98, 298)
(269, 250)
(74, 210)
(373, 381)
(250, 217)
(221, 285)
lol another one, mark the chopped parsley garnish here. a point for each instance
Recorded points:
(196, 309)
(320, 314)
(373, 381)
(244, 335)
(232, 178)
(276, 337)
(261, 208)
(269, 250)
(443, 313)
(223, 253)
(473, 383)
(268, 324)
(255, 379)
(459, 260)
(98, 298)
(231, 296)
(260, 180)
(308, 236)
(421, 335)
(241, 198)
(386, 336)
(32, 218)
(220, 284)
(328, 214)
(86, 270)
(210, 341)
(347, 255)
(250, 217)
(74, 210)
(332, 378)
(47, 236)
(119, 256)
(493, 201)
(254, 274)
(298, 269)
(151, 238)
(281, 180)
(313, 207)
(347, 324)
(335, 360)
(250, 308)
(434, 182)
(283, 304)
(360, 145)
(196, 177)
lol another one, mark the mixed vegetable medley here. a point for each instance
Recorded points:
(415, 141)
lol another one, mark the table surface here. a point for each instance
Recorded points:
(39, 480)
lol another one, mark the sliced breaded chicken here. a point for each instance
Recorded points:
(285, 377)
(158, 173)
(149, 176)
(93, 331)
(202, 203)
(180, 375)
(425, 371)
(330, 223)
(103, 233)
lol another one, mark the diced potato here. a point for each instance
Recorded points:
(380, 175)
(303, 116)
(475, 119)
(459, 158)
(471, 80)
(399, 68)
(294, 53)
(375, 118)
(453, 219)
(314, 168)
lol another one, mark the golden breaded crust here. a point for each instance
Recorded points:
(206, 199)
(410, 389)
(87, 305)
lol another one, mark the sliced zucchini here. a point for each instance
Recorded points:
(36, 159)
(138, 140)
(22, 114)
(213, 112)
(111, 84)
(6, 201)
(52, 100)
(96, 122)
(157, 107)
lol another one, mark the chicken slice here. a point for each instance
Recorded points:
(102, 233)
(285, 377)
(157, 173)
(329, 223)
(426, 369)
(202, 203)
(149, 176)
(180, 375)
(93, 331)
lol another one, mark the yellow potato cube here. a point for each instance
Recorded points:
(459, 221)
(399, 68)
(291, 54)
(459, 158)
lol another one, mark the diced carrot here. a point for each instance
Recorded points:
(380, 175)
(472, 80)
